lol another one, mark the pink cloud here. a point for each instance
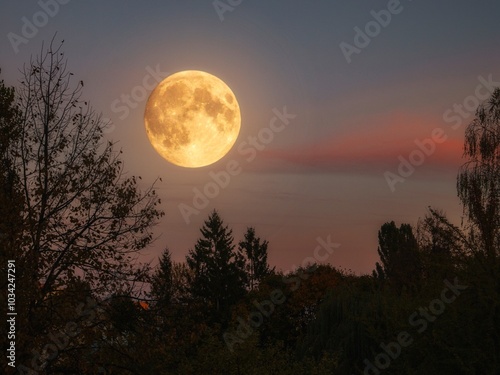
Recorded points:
(375, 145)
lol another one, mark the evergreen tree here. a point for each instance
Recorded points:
(255, 253)
(162, 281)
(217, 276)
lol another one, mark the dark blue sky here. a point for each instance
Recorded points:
(326, 173)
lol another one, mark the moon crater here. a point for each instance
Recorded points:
(192, 119)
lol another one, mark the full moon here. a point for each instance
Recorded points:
(192, 119)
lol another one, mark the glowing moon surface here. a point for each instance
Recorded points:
(192, 119)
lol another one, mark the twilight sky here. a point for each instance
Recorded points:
(360, 97)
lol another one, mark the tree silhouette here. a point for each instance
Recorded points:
(11, 206)
(162, 281)
(399, 254)
(442, 245)
(478, 182)
(82, 218)
(11, 199)
(217, 276)
(255, 252)
(81, 211)
(344, 325)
